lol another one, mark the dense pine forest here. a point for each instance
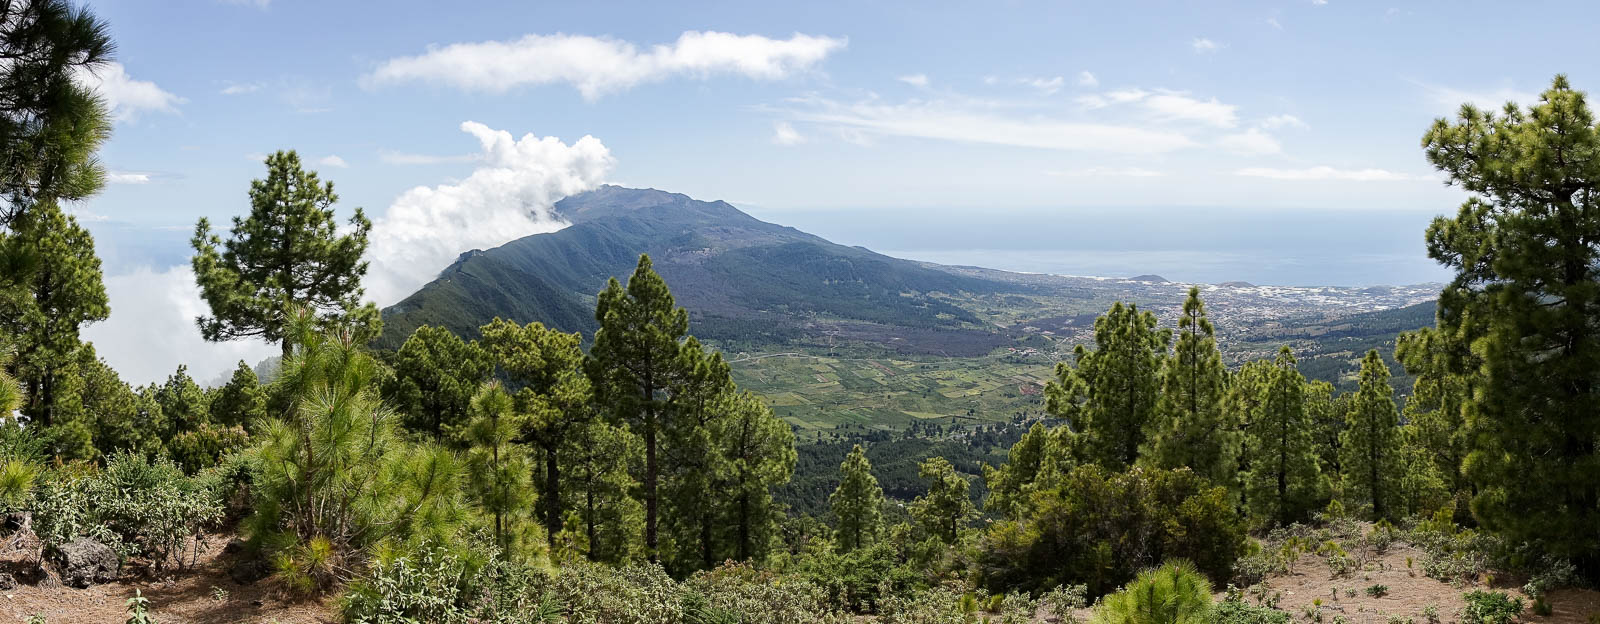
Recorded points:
(518, 473)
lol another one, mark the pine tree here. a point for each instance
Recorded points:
(50, 304)
(695, 473)
(241, 401)
(1524, 248)
(946, 508)
(50, 124)
(287, 254)
(857, 503)
(498, 467)
(436, 374)
(183, 403)
(1283, 481)
(634, 360)
(1370, 444)
(1327, 412)
(1444, 371)
(554, 394)
(1191, 428)
(759, 450)
(602, 459)
(1110, 396)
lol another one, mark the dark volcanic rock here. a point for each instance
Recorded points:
(85, 562)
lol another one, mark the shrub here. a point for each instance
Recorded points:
(1485, 607)
(1175, 593)
(1241, 612)
(859, 579)
(1063, 601)
(1098, 528)
(1377, 590)
(134, 505)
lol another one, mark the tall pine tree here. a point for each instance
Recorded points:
(1283, 482)
(1110, 395)
(287, 254)
(1191, 429)
(635, 359)
(1369, 446)
(1525, 248)
(857, 503)
(758, 448)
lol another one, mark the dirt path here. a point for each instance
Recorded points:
(205, 595)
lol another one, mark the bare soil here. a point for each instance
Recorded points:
(188, 597)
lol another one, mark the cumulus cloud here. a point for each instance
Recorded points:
(968, 124)
(332, 160)
(1086, 79)
(785, 134)
(1047, 85)
(151, 329)
(1252, 141)
(600, 65)
(125, 97)
(1106, 172)
(509, 196)
(1330, 173)
(915, 80)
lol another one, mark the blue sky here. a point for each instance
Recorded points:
(858, 119)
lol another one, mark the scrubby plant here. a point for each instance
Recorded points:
(1064, 601)
(1377, 590)
(1235, 611)
(1174, 593)
(1485, 607)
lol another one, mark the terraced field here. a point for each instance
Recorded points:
(819, 394)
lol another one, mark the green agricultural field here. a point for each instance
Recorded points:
(818, 394)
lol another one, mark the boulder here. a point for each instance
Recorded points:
(249, 570)
(85, 562)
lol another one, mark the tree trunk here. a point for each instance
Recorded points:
(552, 488)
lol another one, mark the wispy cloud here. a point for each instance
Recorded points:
(599, 65)
(1164, 105)
(127, 177)
(957, 121)
(915, 80)
(784, 134)
(1087, 79)
(1252, 141)
(332, 160)
(1203, 45)
(126, 97)
(406, 158)
(1282, 121)
(241, 88)
(1449, 99)
(1331, 173)
(1106, 172)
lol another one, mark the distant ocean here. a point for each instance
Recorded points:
(1358, 247)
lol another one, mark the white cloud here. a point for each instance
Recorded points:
(241, 88)
(784, 134)
(1330, 173)
(332, 160)
(1086, 79)
(405, 158)
(1167, 106)
(151, 329)
(260, 4)
(125, 97)
(1449, 100)
(1319, 2)
(127, 177)
(597, 66)
(507, 197)
(1203, 45)
(1106, 172)
(1252, 141)
(1273, 22)
(915, 80)
(1047, 85)
(966, 124)
(1282, 121)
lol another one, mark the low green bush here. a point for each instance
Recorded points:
(1175, 593)
(1485, 607)
(1241, 612)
